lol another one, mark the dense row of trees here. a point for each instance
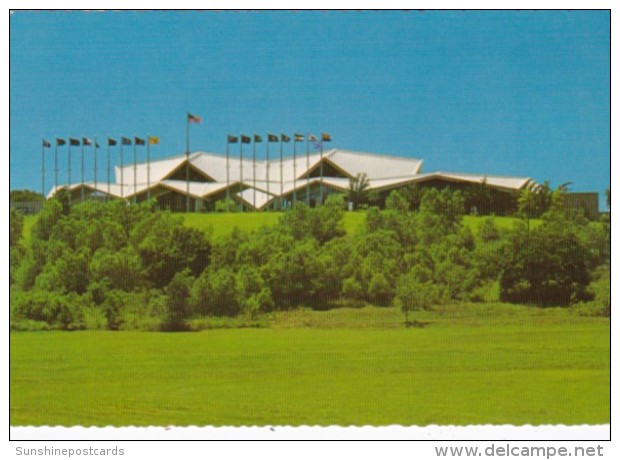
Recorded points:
(121, 266)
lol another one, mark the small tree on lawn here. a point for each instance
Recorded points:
(413, 295)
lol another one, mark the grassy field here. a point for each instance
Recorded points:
(222, 223)
(468, 365)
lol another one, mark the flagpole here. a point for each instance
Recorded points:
(82, 178)
(308, 169)
(95, 158)
(267, 168)
(43, 168)
(294, 170)
(281, 177)
(227, 177)
(56, 167)
(148, 168)
(135, 164)
(108, 171)
(122, 171)
(254, 172)
(240, 170)
(69, 171)
(187, 161)
(321, 169)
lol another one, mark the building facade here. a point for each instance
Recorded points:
(198, 181)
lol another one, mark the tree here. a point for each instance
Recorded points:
(323, 223)
(448, 205)
(226, 205)
(478, 198)
(49, 216)
(69, 272)
(396, 202)
(546, 266)
(413, 194)
(167, 247)
(16, 226)
(177, 304)
(533, 203)
(413, 295)
(215, 292)
(252, 294)
(25, 195)
(121, 269)
(358, 190)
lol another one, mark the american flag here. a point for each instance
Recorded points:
(193, 118)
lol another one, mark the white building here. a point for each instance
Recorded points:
(260, 184)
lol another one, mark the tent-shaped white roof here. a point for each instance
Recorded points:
(279, 176)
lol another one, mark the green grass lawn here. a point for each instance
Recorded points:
(223, 223)
(28, 223)
(470, 365)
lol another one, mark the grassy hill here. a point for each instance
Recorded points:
(223, 223)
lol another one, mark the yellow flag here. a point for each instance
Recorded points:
(153, 140)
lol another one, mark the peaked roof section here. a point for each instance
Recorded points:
(375, 166)
(501, 182)
(196, 189)
(160, 169)
(216, 166)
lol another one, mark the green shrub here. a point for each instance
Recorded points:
(58, 311)
(214, 293)
(120, 269)
(545, 266)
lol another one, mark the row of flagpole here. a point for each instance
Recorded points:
(152, 140)
(87, 142)
(271, 138)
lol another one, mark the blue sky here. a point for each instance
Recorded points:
(509, 93)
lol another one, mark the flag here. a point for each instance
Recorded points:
(326, 137)
(232, 139)
(111, 141)
(60, 141)
(46, 144)
(285, 138)
(86, 141)
(312, 138)
(193, 118)
(272, 138)
(125, 141)
(97, 145)
(74, 141)
(257, 138)
(299, 137)
(153, 140)
(139, 141)
(246, 139)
